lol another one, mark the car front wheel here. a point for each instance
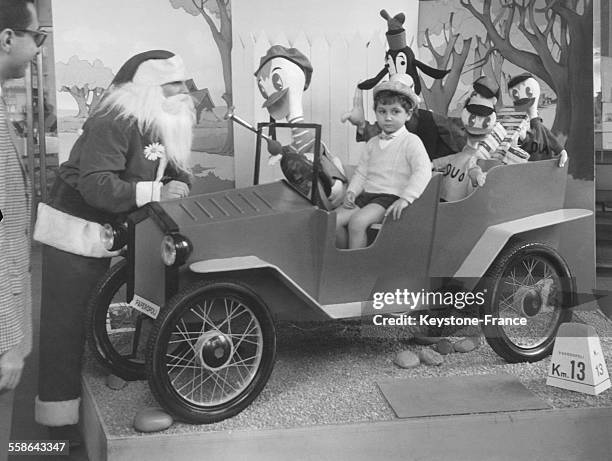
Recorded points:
(114, 329)
(211, 351)
(529, 292)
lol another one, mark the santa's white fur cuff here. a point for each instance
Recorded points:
(147, 191)
(60, 413)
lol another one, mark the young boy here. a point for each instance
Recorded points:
(393, 171)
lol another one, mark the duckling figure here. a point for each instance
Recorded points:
(282, 77)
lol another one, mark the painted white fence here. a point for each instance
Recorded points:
(339, 63)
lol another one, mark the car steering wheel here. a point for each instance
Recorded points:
(298, 171)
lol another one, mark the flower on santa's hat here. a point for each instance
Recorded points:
(154, 151)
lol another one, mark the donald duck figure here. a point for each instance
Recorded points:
(282, 77)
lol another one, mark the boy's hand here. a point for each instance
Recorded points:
(349, 200)
(563, 158)
(396, 208)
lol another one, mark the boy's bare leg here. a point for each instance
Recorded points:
(360, 222)
(343, 215)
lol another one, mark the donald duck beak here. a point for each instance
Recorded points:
(275, 98)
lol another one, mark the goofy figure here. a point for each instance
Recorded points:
(441, 135)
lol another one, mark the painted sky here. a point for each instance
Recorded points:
(114, 30)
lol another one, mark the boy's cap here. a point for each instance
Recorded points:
(518, 79)
(402, 84)
(292, 54)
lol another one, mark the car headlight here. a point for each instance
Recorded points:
(113, 237)
(175, 249)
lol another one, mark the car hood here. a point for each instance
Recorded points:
(244, 203)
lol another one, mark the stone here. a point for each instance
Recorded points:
(430, 357)
(467, 344)
(445, 346)
(115, 382)
(152, 419)
(406, 359)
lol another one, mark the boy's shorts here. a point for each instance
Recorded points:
(384, 200)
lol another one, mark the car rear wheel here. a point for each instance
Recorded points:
(113, 328)
(529, 292)
(211, 351)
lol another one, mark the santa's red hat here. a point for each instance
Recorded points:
(151, 68)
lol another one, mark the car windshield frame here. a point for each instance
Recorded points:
(314, 198)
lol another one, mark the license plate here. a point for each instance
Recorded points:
(145, 306)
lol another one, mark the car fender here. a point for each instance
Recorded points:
(495, 238)
(251, 268)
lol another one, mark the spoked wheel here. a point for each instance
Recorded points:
(211, 351)
(114, 329)
(529, 293)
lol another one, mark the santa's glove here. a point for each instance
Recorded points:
(356, 115)
(174, 190)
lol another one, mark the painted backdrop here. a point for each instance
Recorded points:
(94, 38)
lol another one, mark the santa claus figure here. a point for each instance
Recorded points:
(134, 149)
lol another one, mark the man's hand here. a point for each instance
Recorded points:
(356, 115)
(349, 200)
(563, 158)
(396, 208)
(174, 190)
(11, 366)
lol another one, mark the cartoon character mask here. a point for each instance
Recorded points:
(280, 81)
(478, 116)
(525, 94)
(400, 58)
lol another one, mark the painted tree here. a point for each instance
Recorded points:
(560, 33)
(217, 14)
(439, 95)
(490, 63)
(84, 81)
(221, 29)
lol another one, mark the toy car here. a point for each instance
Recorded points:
(216, 271)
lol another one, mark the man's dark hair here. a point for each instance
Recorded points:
(14, 14)
(390, 97)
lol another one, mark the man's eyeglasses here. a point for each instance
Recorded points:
(39, 36)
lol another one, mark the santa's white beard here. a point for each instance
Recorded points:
(175, 127)
(169, 119)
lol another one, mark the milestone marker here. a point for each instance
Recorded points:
(577, 362)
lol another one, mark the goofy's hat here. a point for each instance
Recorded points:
(400, 59)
